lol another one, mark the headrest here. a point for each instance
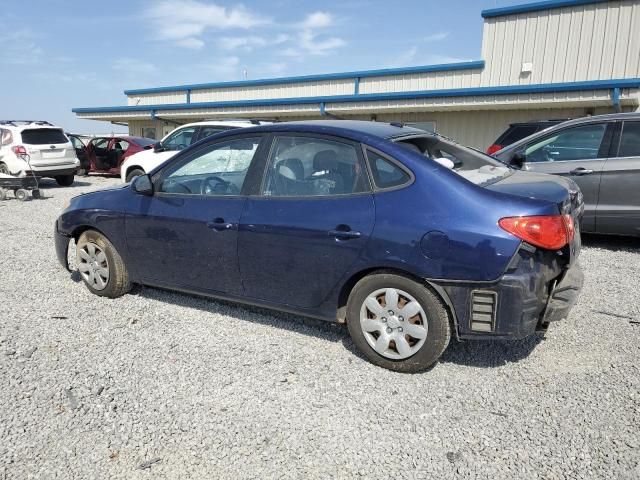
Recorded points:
(291, 168)
(325, 160)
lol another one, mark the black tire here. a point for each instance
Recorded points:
(35, 194)
(3, 194)
(4, 169)
(136, 172)
(437, 319)
(65, 180)
(118, 282)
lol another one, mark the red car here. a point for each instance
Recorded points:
(106, 154)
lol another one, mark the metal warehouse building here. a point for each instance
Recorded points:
(551, 59)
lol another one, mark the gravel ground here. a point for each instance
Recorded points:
(163, 385)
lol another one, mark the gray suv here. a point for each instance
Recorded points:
(602, 155)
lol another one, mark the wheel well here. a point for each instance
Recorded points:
(343, 297)
(80, 230)
(131, 169)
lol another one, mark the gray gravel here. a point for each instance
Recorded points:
(163, 385)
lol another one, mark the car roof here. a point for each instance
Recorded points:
(540, 122)
(358, 129)
(223, 123)
(609, 117)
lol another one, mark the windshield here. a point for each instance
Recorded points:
(474, 165)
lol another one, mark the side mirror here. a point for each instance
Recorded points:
(157, 147)
(143, 185)
(518, 159)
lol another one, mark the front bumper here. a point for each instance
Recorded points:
(62, 247)
(534, 292)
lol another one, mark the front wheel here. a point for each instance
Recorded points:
(65, 180)
(101, 266)
(136, 172)
(397, 323)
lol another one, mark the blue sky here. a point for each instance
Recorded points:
(59, 54)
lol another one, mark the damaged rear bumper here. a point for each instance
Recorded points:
(536, 290)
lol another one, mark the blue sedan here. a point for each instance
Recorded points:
(407, 237)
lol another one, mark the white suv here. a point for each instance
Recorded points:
(183, 136)
(37, 147)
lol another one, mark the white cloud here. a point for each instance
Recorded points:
(310, 40)
(436, 37)
(185, 21)
(317, 20)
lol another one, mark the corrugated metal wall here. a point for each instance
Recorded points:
(589, 42)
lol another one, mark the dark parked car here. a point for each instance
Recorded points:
(602, 155)
(356, 222)
(106, 154)
(517, 131)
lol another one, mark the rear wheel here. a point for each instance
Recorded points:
(4, 169)
(101, 266)
(65, 180)
(397, 323)
(136, 172)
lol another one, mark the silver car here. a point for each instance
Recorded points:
(602, 155)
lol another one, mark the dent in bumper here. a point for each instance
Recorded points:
(535, 291)
(62, 247)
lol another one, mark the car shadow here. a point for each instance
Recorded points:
(485, 354)
(611, 242)
(332, 332)
(490, 353)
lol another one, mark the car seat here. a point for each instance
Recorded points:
(289, 177)
(326, 175)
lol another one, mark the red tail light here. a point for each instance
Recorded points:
(19, 150)
(493, 149)
(546, 231)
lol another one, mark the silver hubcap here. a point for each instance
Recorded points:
(393, 323)
(93, 266)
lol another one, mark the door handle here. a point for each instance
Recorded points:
(344, 234)
(220, 225)
(581, 171)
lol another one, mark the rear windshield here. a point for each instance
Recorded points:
(475, 166)
(515, 133)
(43, 136)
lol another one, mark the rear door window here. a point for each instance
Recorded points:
(630, 140)
(313, 167)
(43, 136)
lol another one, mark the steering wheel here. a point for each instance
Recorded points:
(212, 185)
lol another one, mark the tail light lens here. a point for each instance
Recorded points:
(19, 150)
(493, 149)
(545, 231)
